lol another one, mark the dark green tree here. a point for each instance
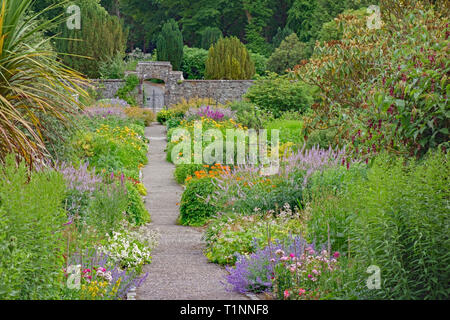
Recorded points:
(281, 35)
(100, 37)
(169, 45)
(229, 59)
(290, 52)
(210, 35)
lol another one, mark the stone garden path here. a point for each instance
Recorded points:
(179, 269)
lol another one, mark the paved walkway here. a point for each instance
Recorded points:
(179, 269)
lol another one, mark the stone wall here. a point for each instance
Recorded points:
(221, 91)
(107, 88)
(176, 88)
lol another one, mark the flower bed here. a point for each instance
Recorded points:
(91, 242)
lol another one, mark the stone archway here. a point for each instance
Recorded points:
(159, 70)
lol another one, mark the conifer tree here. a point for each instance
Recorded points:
(229, 59)
(100, 37)
(210, 35)
(169, 46)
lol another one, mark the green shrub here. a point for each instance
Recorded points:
(113, 68)
(280, 36)
(31, 242)
(260, 62)
(250, 115)
(124, 92)
(229, 59)
(182, 171)
(278, 94)
(194, 60)
(136, 211)
(195, 206)
(289, 54)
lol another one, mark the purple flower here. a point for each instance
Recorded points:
(80, 179)
(93, 259)
(105, 112)
(254, 273)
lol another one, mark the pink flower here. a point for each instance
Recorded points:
(301, 291)
(286, 294)
(315, 271)
(310, 276)
(284, 258)
(292, 255)
(336, 254)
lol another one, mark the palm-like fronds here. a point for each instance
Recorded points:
(32, 82)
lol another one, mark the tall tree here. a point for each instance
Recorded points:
(170, 44)
(100, 37)
(210, 35)
(290, 52)
(229, 59)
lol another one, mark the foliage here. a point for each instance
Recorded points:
(182, 171)
(113, 68)
(136, 211)
(130, 249)
(195, 207)
(260, 62)
(278, 94)
(250, 115)
(179, 110)
(231, 235)
(297, 276)
(107, 208)
(100, 39)
(376, 106)
(409, 110)
(401, 226)
(392, 217)
(112, 147)
(194, 60)
(281, 34)
(124, 92)
(30, 102)
(229, 59)
(210, 35)
(289, 130)
(140, 114)
(290, 53)
(170, 44)
(31, 220)
(101, 278)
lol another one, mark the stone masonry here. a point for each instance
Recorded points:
(176, 88)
